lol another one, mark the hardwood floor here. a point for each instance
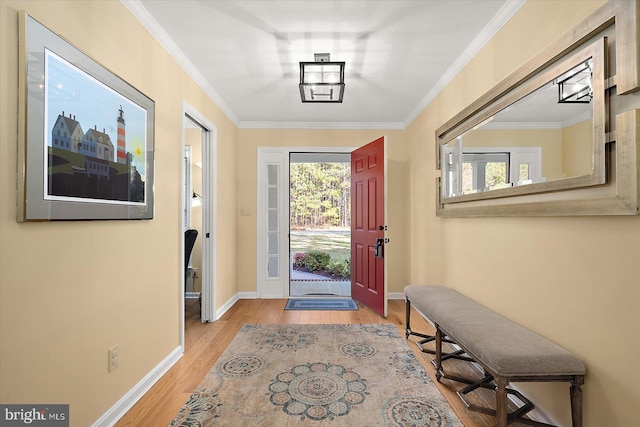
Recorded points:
(205, 342)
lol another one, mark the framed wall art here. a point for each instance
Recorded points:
(85, 136)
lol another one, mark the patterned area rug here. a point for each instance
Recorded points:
(321, 304)
(317, 375)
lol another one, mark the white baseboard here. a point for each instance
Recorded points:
(247, 295)
(395, 295)
(121, 407)
(226, 306)
(192, 295)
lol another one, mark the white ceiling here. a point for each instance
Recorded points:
(398, 54)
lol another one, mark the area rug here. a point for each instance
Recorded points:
(321, 304)
(317, 375)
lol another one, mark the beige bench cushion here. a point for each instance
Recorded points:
(505, 347)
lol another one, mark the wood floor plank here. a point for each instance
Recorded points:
(205, 342)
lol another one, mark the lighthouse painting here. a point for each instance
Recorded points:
(86, 135)
(95, 139)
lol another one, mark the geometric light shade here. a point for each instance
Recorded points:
(322, 80)
(575, 86)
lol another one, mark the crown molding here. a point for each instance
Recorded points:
(497, 22)
(144, 17)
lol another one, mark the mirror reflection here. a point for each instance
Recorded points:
(546, 135)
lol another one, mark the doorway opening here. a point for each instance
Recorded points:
(197, 283)
(192, 214)
(319, 224)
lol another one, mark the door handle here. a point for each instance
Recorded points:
(378, 250)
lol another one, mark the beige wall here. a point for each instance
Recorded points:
(59, 311)
(571, 279)
(248, 142)
(577, 154)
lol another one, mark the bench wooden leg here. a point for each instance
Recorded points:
(501, 402)
(426, 338)
(438, 353)
(407, 318)
(576, 401)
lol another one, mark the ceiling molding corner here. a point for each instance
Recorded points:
(144, 17)
(497, 22)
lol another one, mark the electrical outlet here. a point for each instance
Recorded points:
(114, 357)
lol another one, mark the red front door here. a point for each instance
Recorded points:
(368, 226)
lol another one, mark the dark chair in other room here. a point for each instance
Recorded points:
(190, 237)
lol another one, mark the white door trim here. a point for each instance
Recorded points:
(277, 287)
(209, 205)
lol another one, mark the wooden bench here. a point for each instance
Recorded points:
(505, 350)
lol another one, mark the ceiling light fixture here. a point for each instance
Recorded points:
(322, 80)
(575, 85)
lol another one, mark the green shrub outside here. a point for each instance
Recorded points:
(316, 260)
(321, 262)
(342, 269)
